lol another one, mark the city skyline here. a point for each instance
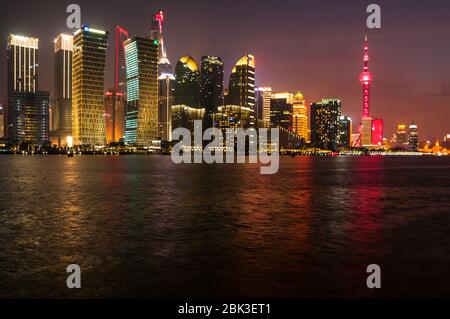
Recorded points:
(397, 97)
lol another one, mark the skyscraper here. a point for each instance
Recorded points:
(401, 135)
(141, 57)
(300, 116)
(263, 100)
(28, 109)
(413, 137)
(63, 45)
(23, 64)
(115, 105)
(281, 110)
(156, 34)
(29, 118)
(88, 104)
(211, 88)
(187, 87)
(2, 121)
(325, 117)
(241, 88)
(166, 79)
(166, 99)
(377, 132)
(345, 131)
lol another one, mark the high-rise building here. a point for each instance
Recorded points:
(28, 109)
(2, 121)
(23, 64)
(141, 57)
(300, 116)
(365, 131)
(184, 116)
(166, 99)
(156, 35)
(63, 47)
(281, 110)
(115, 105)
(88, 104)
(325, 117)
(345, 131)
(166, 79)
(446, 142)
(263, 100)
(413, 137)
(211, 88)
(233, 116)
(401, 135)
(187, 86)
(377, 132)
(28, 117)
(241, 89)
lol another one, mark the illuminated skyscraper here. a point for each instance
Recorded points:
(166, 79)
(187, 87)
(413, 137)
(63, 85)
(115, 105)
(281, 110)
(28, 108)
(166, 99)
(241, 89)
(2, 120)
(211, 88)
(325, 117)
(23, 64)
(401, 135)
(377, 132)
(29, 121)
(233, 116)
(184, 116)
(156, 34)
(345, 131)
(88, 104)
(300, 116)
(263, 100)
(141, 57)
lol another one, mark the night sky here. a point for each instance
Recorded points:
(314, 46)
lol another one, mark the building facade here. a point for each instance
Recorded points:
(233, 116)
(211, 88)
(413, 137)
(166, 99)
(23, 64)
(29, 117)
(187, 85)
(345, 131)
(141, 57)
(88, 104)
(115, 104)
(300, 116)
(281, 110)
(184, 116)
(63, 50)
(325, 117)
(263, 100)
(241, 88)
